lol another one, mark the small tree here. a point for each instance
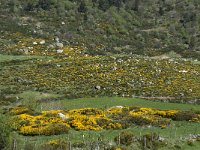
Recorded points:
(103, 5)
(82, 7)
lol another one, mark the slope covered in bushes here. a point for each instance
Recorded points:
(106, 27)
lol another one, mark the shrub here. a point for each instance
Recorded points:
(4, 131)
(150, 140)
(55, 129)
(79, 144)
(184, 115)
(19, 110)
(55, 145)
(125, 138)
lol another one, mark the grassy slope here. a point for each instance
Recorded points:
(102, 102)
(4, 58)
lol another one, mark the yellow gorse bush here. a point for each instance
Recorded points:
(19, 110)
(49, 122)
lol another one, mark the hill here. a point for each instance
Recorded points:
(108, 27)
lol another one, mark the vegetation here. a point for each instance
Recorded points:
(107, 27)
(4, 131)
(99, 74)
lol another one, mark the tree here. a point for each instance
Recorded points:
(44, 4)
(116, 3)
(13, 4)
(82, 7)
(103, 5)
(136, 5)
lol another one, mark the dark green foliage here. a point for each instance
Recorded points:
(82, 7)
(136, 5)
(103, 5)
(4, 131)
(184, 115)
(125, 138)
(79, 144)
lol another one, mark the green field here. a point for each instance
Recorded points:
(105, 102)
(4, 58)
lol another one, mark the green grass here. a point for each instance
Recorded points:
(33, 95)
(20, 57)
(104, 102)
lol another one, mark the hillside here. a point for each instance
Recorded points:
(108, 27)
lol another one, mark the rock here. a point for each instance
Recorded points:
(57, 39)
(183, 71)
(51, 46)
(119, 106)
(57, 33)
(114, 68)
(40, 32)
(42, 42)
(26, 51)
(38, 25)
(34, 43)
(60, 45)
(59, 51)
(98, 87)
(63, 23)
(62, 116)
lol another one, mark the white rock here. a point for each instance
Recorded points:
(35, 43)
(98, 87)
(119, 106)
(51, 46)
(161, 139)
(57, 39)
(60, 45)
(59, 51)
(62, 116)
(114, 68)
(38, 25)
(183, 71)
(26, 51)
(42, 42)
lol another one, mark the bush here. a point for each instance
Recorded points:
(20, 110)
(184, 115)
(55, 145)
(150, 141)
(56, 129)
(52, 129)
(125, 138)
(79, 144)
(4, 131)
